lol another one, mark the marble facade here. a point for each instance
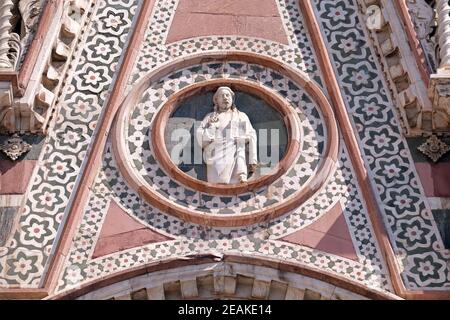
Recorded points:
(352, 210)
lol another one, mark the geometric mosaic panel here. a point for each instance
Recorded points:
(412, 229)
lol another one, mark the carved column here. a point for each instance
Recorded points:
(5, 32)
(440, 81)
(443, 11)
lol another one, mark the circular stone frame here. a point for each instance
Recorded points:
(135, 181)
(272, 99)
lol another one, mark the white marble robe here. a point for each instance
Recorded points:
(223, 142)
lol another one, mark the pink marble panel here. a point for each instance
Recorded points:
(251, 18)
(441, 179)
(120, 232)
(328, 234)
(15, 176)
(425, 172)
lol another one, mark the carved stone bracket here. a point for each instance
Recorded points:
(399, 27)
(6, 95)
(443, 18)
(440, 94)
(439, 90)
(434, 148)
(15, 147)
(402, 72)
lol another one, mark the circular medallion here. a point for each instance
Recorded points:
(288, 116)
(140, 132)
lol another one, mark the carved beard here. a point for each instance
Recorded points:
(218, 110)
(215, 116)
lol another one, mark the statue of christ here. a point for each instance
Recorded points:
(223, 135)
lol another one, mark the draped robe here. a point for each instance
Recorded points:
(223, 137)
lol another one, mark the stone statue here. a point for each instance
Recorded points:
(223, 135)
(423, 16)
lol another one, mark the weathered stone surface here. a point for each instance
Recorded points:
(312, 295)
(139, 295)
(156, 293)
(294, 294)
(189, 289)
(261, 289)
(251, 18)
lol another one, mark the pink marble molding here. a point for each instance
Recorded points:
(249, 18)
(136, 182)
(269, 97)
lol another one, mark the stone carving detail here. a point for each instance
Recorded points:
(15, 147)
(443, 12)
(424, 20)
(15, 14)
(388, 38)
(440, 81)
(6, 7)
(225, 280)
(32, 111)
(223, 135)
(15, 49)
(441, 108)
(30, 11)
(434, 148)
(423, 107)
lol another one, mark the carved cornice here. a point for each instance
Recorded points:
(405, 27)
(443, 18)
(439, 89)
(31, 105)
(404, 72)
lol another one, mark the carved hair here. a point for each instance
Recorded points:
(233, 106)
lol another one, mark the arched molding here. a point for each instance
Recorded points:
(230, 276)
